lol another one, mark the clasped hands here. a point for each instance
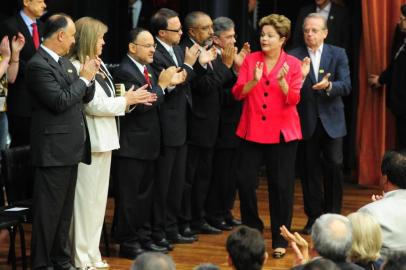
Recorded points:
(90, 67)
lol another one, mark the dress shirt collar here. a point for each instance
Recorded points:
(27, 20)
(139, 65)
(324, 11)
(318, 51)
(165, 45)
(53, 54)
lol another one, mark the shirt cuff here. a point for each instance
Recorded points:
(189, 66)
(87, 82)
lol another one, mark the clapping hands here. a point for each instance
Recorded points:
(298, 243)
(207, 55)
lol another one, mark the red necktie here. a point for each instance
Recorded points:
(35, 35)
(146, 76)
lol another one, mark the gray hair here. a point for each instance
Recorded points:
(153, 261)
(316, 16)
(332, 236)
(206, 266)
(222, 24)
(191, 18)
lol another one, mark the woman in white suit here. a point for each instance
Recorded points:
(93, 180)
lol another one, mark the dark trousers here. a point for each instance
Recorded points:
(134, 179)
(279, 160)
(198, 176)
(54, 192)
(19, 129)
(168, 190)
(323, 158)
(220, 200)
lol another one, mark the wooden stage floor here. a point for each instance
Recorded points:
(212, 248)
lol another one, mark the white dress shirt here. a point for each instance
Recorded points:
(315, 57)
(324, 11)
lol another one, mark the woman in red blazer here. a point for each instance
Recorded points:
(269, 84)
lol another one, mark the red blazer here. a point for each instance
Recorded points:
(267, 111)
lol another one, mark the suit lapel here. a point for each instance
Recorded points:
(139, 77)
(324, 61)
(55, 65)
(178, 54)
(165, 53)
(23, 28)
(311, 75)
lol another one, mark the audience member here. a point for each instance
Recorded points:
(28, 24)
(246, 249)
(320, 264)
(388, 210)
(269, 84)
(332, 239)
(212, 71)
(366, 241)
(93, 180)
(322, 120)
(140, 142)
(153, 261)
(171, 163)
(59, 140)
(9, 66)
(338, 23)
(393, 77)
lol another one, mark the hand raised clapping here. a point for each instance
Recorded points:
(259, 68)
(207, 55)
(5, 48)
(89, 68)
(17, 44)
(191, 54)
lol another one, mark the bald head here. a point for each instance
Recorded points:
(59, 33)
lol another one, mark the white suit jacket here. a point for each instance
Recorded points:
(390, 212)
(100, 116)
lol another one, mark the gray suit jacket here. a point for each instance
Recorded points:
(390, 212)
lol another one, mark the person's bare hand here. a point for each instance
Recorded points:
(17, 43)
(5, 48)
(165, 76)
(373, 81)
(298, 243)
(179, 77)
(239, 58)
(323, 84)
(191, 54)
(90, 68)
(377, 197)
(259, 68)
(305, 67)
(228, 54)
(282, 72)
(138, 96)
(207, 55)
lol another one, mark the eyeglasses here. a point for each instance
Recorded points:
(147, 46)
(204, 28)
(174, 30)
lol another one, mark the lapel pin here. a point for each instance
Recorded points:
(321, 71)
(331, 17)
(70, 71)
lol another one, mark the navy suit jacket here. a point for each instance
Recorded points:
(328, 107)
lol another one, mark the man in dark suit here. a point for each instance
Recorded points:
(59, 140)
(140, 142)
(321, 112)
(18, 100)
(203, 119)
(338, 23)
(222, 191)
(167, 29)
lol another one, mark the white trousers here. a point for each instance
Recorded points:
(89, 209)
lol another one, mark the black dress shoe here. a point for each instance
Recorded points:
(155, 248)
(64, 267)
(130, 251)
(221, 226)
(308, 228)
(233, 222)
(180, 239)
(187, 232)
(164, 243)
(205, 228)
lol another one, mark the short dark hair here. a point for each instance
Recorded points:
(321, 264)
(132, 36)
(246, 248)
(159, 21)
(190, 19)
(394, 167)
(222, 24)
(55, 23)
(403, 9)
(395, 261)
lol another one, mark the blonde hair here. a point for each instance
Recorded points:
(88, 31)
(367, 237)
(279, 22)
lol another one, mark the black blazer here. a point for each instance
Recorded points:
(18, 99)
(206, 87)
(58, 128)
(173, 111)
(140, 132)
(317, 104)
(338, 25)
